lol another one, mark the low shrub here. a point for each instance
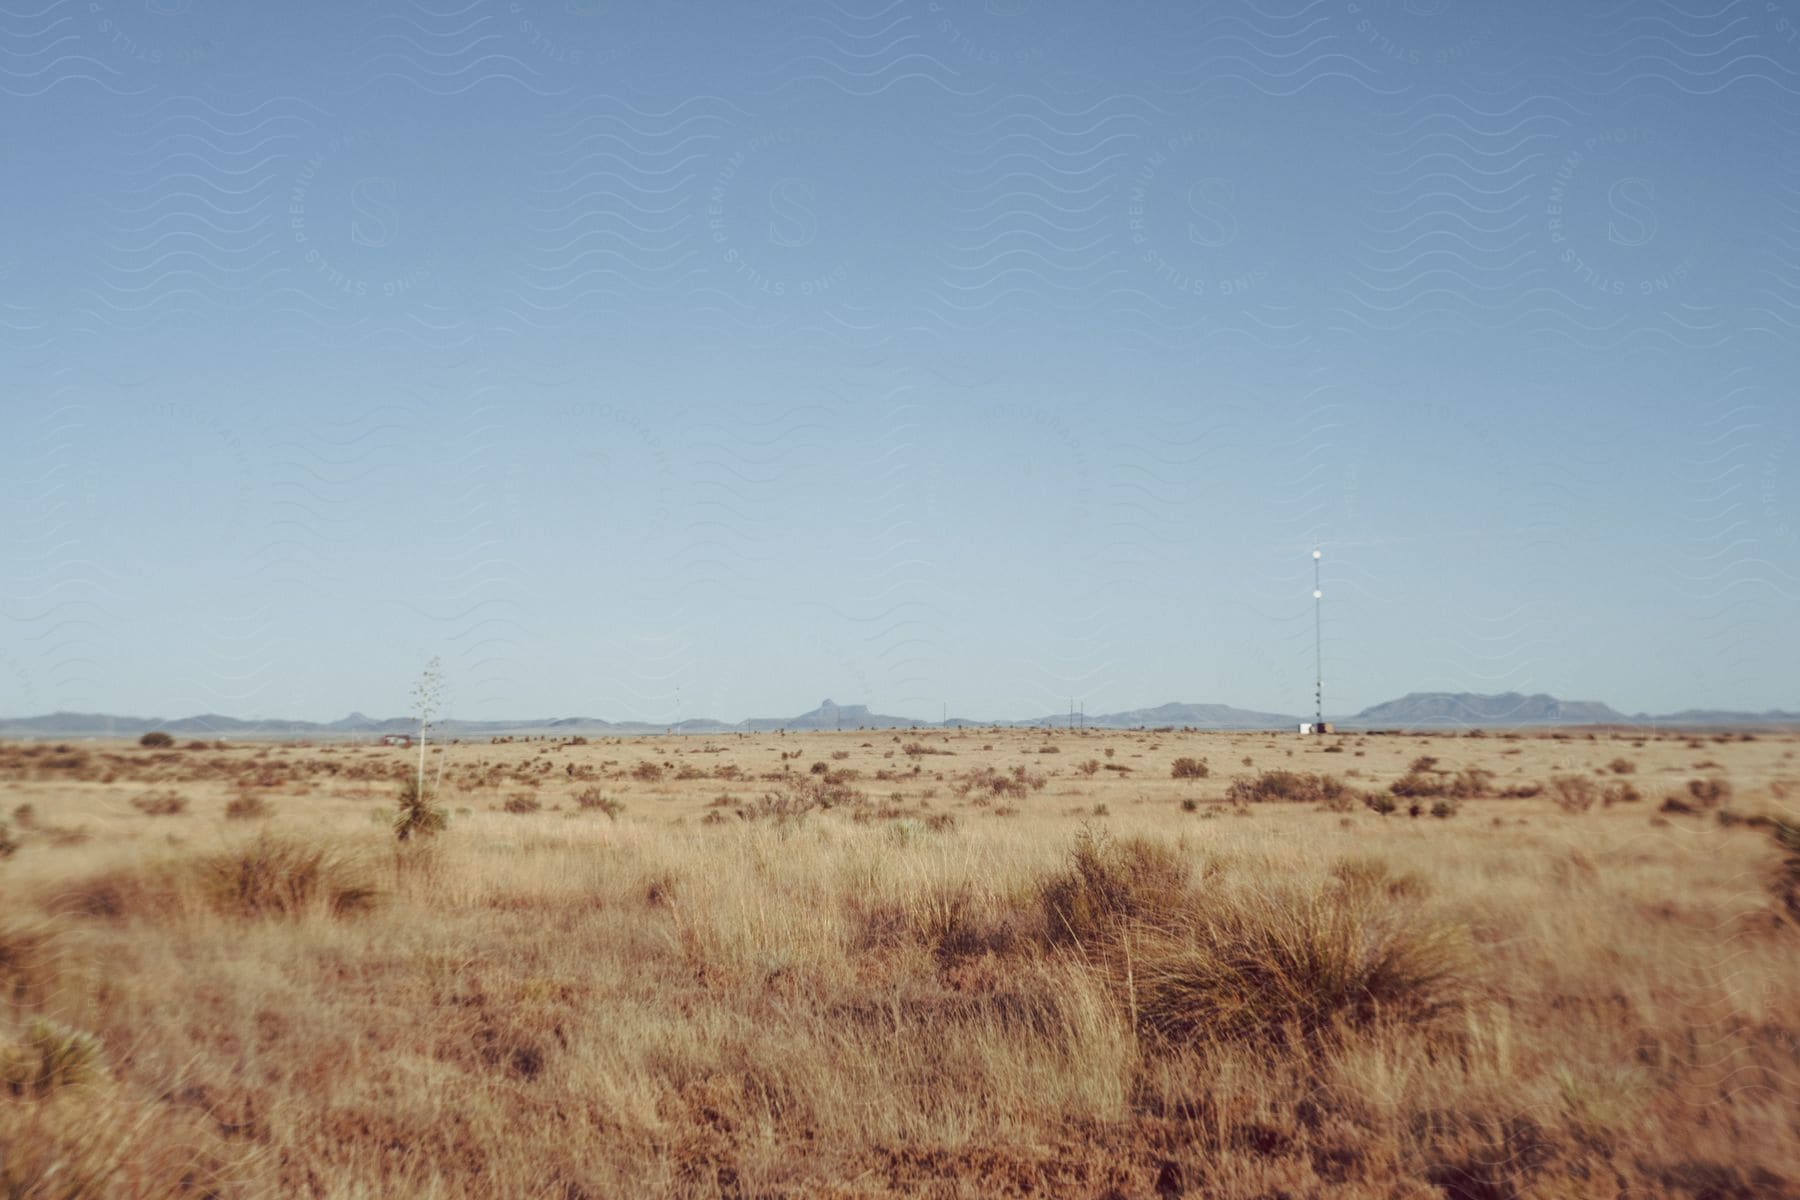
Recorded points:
(1574, 793)
(156, 740)
(985, 783)
(1471, 783)
(827, 791)
(522, 803)
(1418, 784)
(593, 800)
(1709, 793)
(1294, 787)
(789, 806)
(1190, 768)
(1619, 793)
(160, 803)
(247, 806)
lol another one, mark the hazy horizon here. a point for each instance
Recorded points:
(525, 720)
(671, 362)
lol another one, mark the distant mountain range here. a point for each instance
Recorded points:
(1417, 710)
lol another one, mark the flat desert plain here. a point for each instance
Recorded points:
(964, 963)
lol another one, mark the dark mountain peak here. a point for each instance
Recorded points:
(832, 715)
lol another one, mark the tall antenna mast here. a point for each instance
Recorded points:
(1318, 645)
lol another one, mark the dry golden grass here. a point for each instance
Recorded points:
(885, 964)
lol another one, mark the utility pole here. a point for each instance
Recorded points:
(1318, 646)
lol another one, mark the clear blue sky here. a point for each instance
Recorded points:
(665, 360)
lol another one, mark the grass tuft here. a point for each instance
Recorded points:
(1285, 967)
(31, 960)
(282, 877)
(1108, 884)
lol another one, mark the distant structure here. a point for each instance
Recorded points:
(396, 739)
(1318, 722)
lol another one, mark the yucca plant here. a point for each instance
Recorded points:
(417, 815)
(49, 1057)
(1787, 879)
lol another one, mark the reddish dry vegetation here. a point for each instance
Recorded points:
(855, 965)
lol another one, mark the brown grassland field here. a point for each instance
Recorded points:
(975, 963)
